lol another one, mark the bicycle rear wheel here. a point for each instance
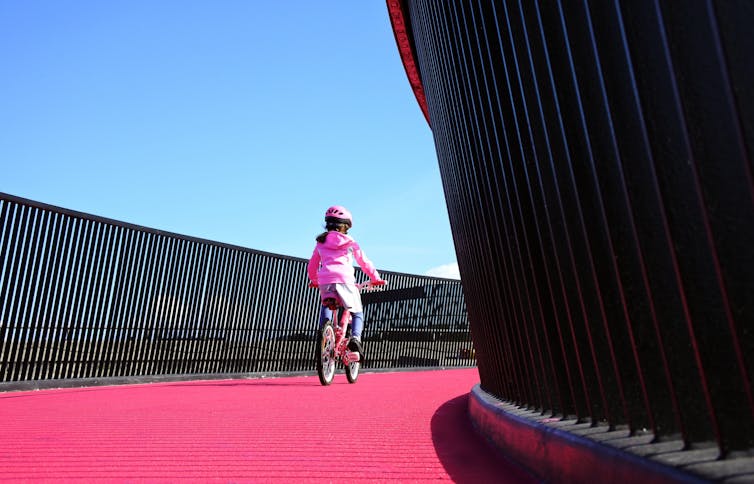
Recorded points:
(326, 358)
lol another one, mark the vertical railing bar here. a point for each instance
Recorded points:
(567, 237)
(220, 347)
(711, 410)
(224, 290)
(221, 290)
(157, 291)
(89, 288)
(517, 286)
(199, 351)
(215, 306)
(25, 295)
(539, 316)
(298, 283)
(151, 258)
(10, 264)
(493, 338)
(28, 290)
(88, 338)
(81, 230)
(118, 335)
(307, 306)
(91, 340)
(632, 224)
(707, 206)
(12, 311)
(515, 378)
(193, 332)
(250, 332)
(5, 227)
(205, 315)
(86, 335)
(587, 325)
(147, 307)
(34, 313)
(548, 217)
(174, 263)
(225, 287)
(198, 268)
(82, 254)
(62, 305)
(601, 208)
(661, 210)
(181, 308)
(231, 279)
(166, 348)
(70, 369)
(269, 309)
(111, 330)
(157, 253)
(6, 234)
(262, 302)
(200, 354)
(730, 95)
(517, 333)
(304, 306)
(265, 309)
(230, 288)
(246, 352)
(511, 336)
(238, 328)
(284, 311)
(110, 271)
(177, 309)
(52, 284)
(452, 180)
(295, 292)
(284, 307)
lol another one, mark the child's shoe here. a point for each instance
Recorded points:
(354, 344)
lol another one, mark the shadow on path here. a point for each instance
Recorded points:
(465, 456)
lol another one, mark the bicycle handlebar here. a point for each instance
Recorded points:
(360, 286)
(368, 284)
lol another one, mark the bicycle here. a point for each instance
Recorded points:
(333, 344)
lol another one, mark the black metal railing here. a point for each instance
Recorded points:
(87, 297)
(597, 164)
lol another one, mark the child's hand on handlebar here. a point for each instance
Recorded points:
(313, 284)
(378, 282)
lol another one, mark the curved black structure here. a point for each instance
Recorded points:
(596, 157)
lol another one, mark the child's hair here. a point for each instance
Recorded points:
(332, 223)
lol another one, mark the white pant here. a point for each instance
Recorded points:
(348, 294)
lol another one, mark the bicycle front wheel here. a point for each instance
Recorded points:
(352, 371)
(326, 359)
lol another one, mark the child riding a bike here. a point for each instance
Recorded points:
(331, 269)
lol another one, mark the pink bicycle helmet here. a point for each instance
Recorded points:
(341, 214)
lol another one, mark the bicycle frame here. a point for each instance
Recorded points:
(341, 351)
(333, 344)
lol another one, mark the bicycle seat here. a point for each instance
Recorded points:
(331, 300)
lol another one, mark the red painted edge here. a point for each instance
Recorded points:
(558, 456)
(403, 40)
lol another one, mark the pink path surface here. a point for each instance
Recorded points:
(388, 427)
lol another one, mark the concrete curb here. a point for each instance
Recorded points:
(556, 455)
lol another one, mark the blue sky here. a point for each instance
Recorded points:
(238, 121)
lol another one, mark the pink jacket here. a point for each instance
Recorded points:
(331, 262)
